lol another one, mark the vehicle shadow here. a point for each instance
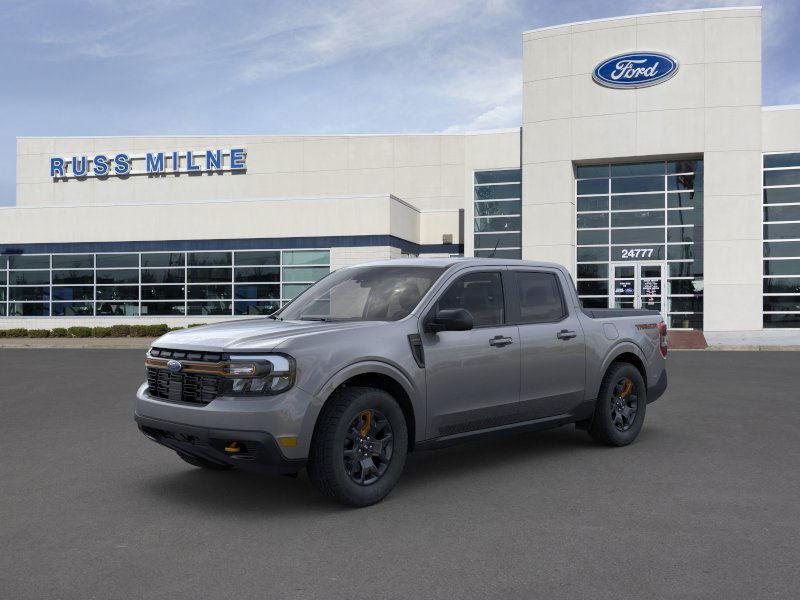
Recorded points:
(240, 492)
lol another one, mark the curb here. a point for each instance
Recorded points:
(76, 343)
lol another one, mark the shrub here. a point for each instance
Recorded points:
(138, 331)
(80, 332)
(38, 333)
(120, 330)
(101, 332)
(157, 330)
(16, 332)
(196, 325)
(59, 332)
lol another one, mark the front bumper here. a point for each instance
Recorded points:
(260, 451)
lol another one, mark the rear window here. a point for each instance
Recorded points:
(540, 299)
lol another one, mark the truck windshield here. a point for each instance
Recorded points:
(375, 293)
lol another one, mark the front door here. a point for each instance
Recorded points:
(638, 285)
(473, 377)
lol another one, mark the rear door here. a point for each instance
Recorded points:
(553, 377)
(473, 377)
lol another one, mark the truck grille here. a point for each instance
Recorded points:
(183, 387)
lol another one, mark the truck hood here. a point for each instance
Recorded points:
(249, 335)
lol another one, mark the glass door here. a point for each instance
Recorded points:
(637, 285)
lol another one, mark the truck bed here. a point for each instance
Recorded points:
(611, 313)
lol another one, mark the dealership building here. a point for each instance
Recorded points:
(645, 162)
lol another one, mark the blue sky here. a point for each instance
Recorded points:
(152, 67)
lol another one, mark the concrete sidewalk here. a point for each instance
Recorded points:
(55, 343)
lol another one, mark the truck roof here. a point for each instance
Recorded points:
(459, 260)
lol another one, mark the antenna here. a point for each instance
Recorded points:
(495, 248)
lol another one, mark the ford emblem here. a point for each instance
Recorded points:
(174, 365)
(635, 70)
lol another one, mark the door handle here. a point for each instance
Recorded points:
(499, 341)
(566, 334)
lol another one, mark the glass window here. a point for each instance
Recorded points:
(592, 271)
(257, 274)
(117, 261)
(498, 176)
(637, 202)
(29, 261)
(684, 182)
(64, 277)
(84, 292)
(782, 195)
(163, 276)
(782, 285)
(501, 207)
(209, 292)
(782, 267)
(680, 269)
(2, 277)
(782, 231)
(592, 236)
(790, 159)
(497, 240)
(162, 309)
(684, 166)
(497, 224)
(117, 292)
(499, 253)
(162, 292)
(782, 249)
(685, 200)
(3, 262)
(73, 261)
(782, 303)
(788, 177)
(680, 234)
(782, 213)
(636, 184)
(498, 192)
(254, 291)
(684, 217)
(593, 288)
(637, 236)
(209, 275)
(255, 308)
(28, 309)
(540, 298)
(118, 276)
(292, 290)
(684, 286)
(638, 218)
(306, 257)
(651, 168)
(257, 258)
(594, 302)
(209, 259)
(591, 171)
(596, 203)
(786, 320)
(694, 321)
(592, 186)
(304, 274)
(218, 308)
(73, 309)
(679, 252)
(479, 293)
(163, 259)
(29, 277)
(593, 254)
(694, 304)
(364, 293)
(117, 309)
(29, 293)
(592, 220)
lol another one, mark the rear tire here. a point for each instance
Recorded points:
(359, 447)
(621, 405)
(196, 461)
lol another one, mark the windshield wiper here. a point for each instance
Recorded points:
(323, 319)
(275, 317)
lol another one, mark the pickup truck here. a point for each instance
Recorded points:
(380, 359)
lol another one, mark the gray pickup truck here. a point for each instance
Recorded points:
(376, 360)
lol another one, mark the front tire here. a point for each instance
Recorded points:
(621, 405)
(359, 447)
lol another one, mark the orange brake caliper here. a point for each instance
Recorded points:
(366, 416)
(626, 389)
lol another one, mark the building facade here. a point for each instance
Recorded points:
(645, 162)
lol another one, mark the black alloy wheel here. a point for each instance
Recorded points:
(624, 404)
(368, 447)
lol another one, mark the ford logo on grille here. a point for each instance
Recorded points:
(174, 365)
(635, 70)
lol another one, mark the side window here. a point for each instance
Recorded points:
(540, 299)
(481, 294)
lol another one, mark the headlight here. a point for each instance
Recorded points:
(261, 375)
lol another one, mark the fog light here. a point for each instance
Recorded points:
(232, 448)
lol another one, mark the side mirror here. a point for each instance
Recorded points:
(455, 319)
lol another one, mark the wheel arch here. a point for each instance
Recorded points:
(627, 353)
(381, 376)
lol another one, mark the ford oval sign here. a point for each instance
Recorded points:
(174, 365)
(635, 70)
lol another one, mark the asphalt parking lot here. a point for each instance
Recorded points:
(705, 504)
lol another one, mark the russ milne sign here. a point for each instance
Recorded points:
(151, 163)
(635, 70)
